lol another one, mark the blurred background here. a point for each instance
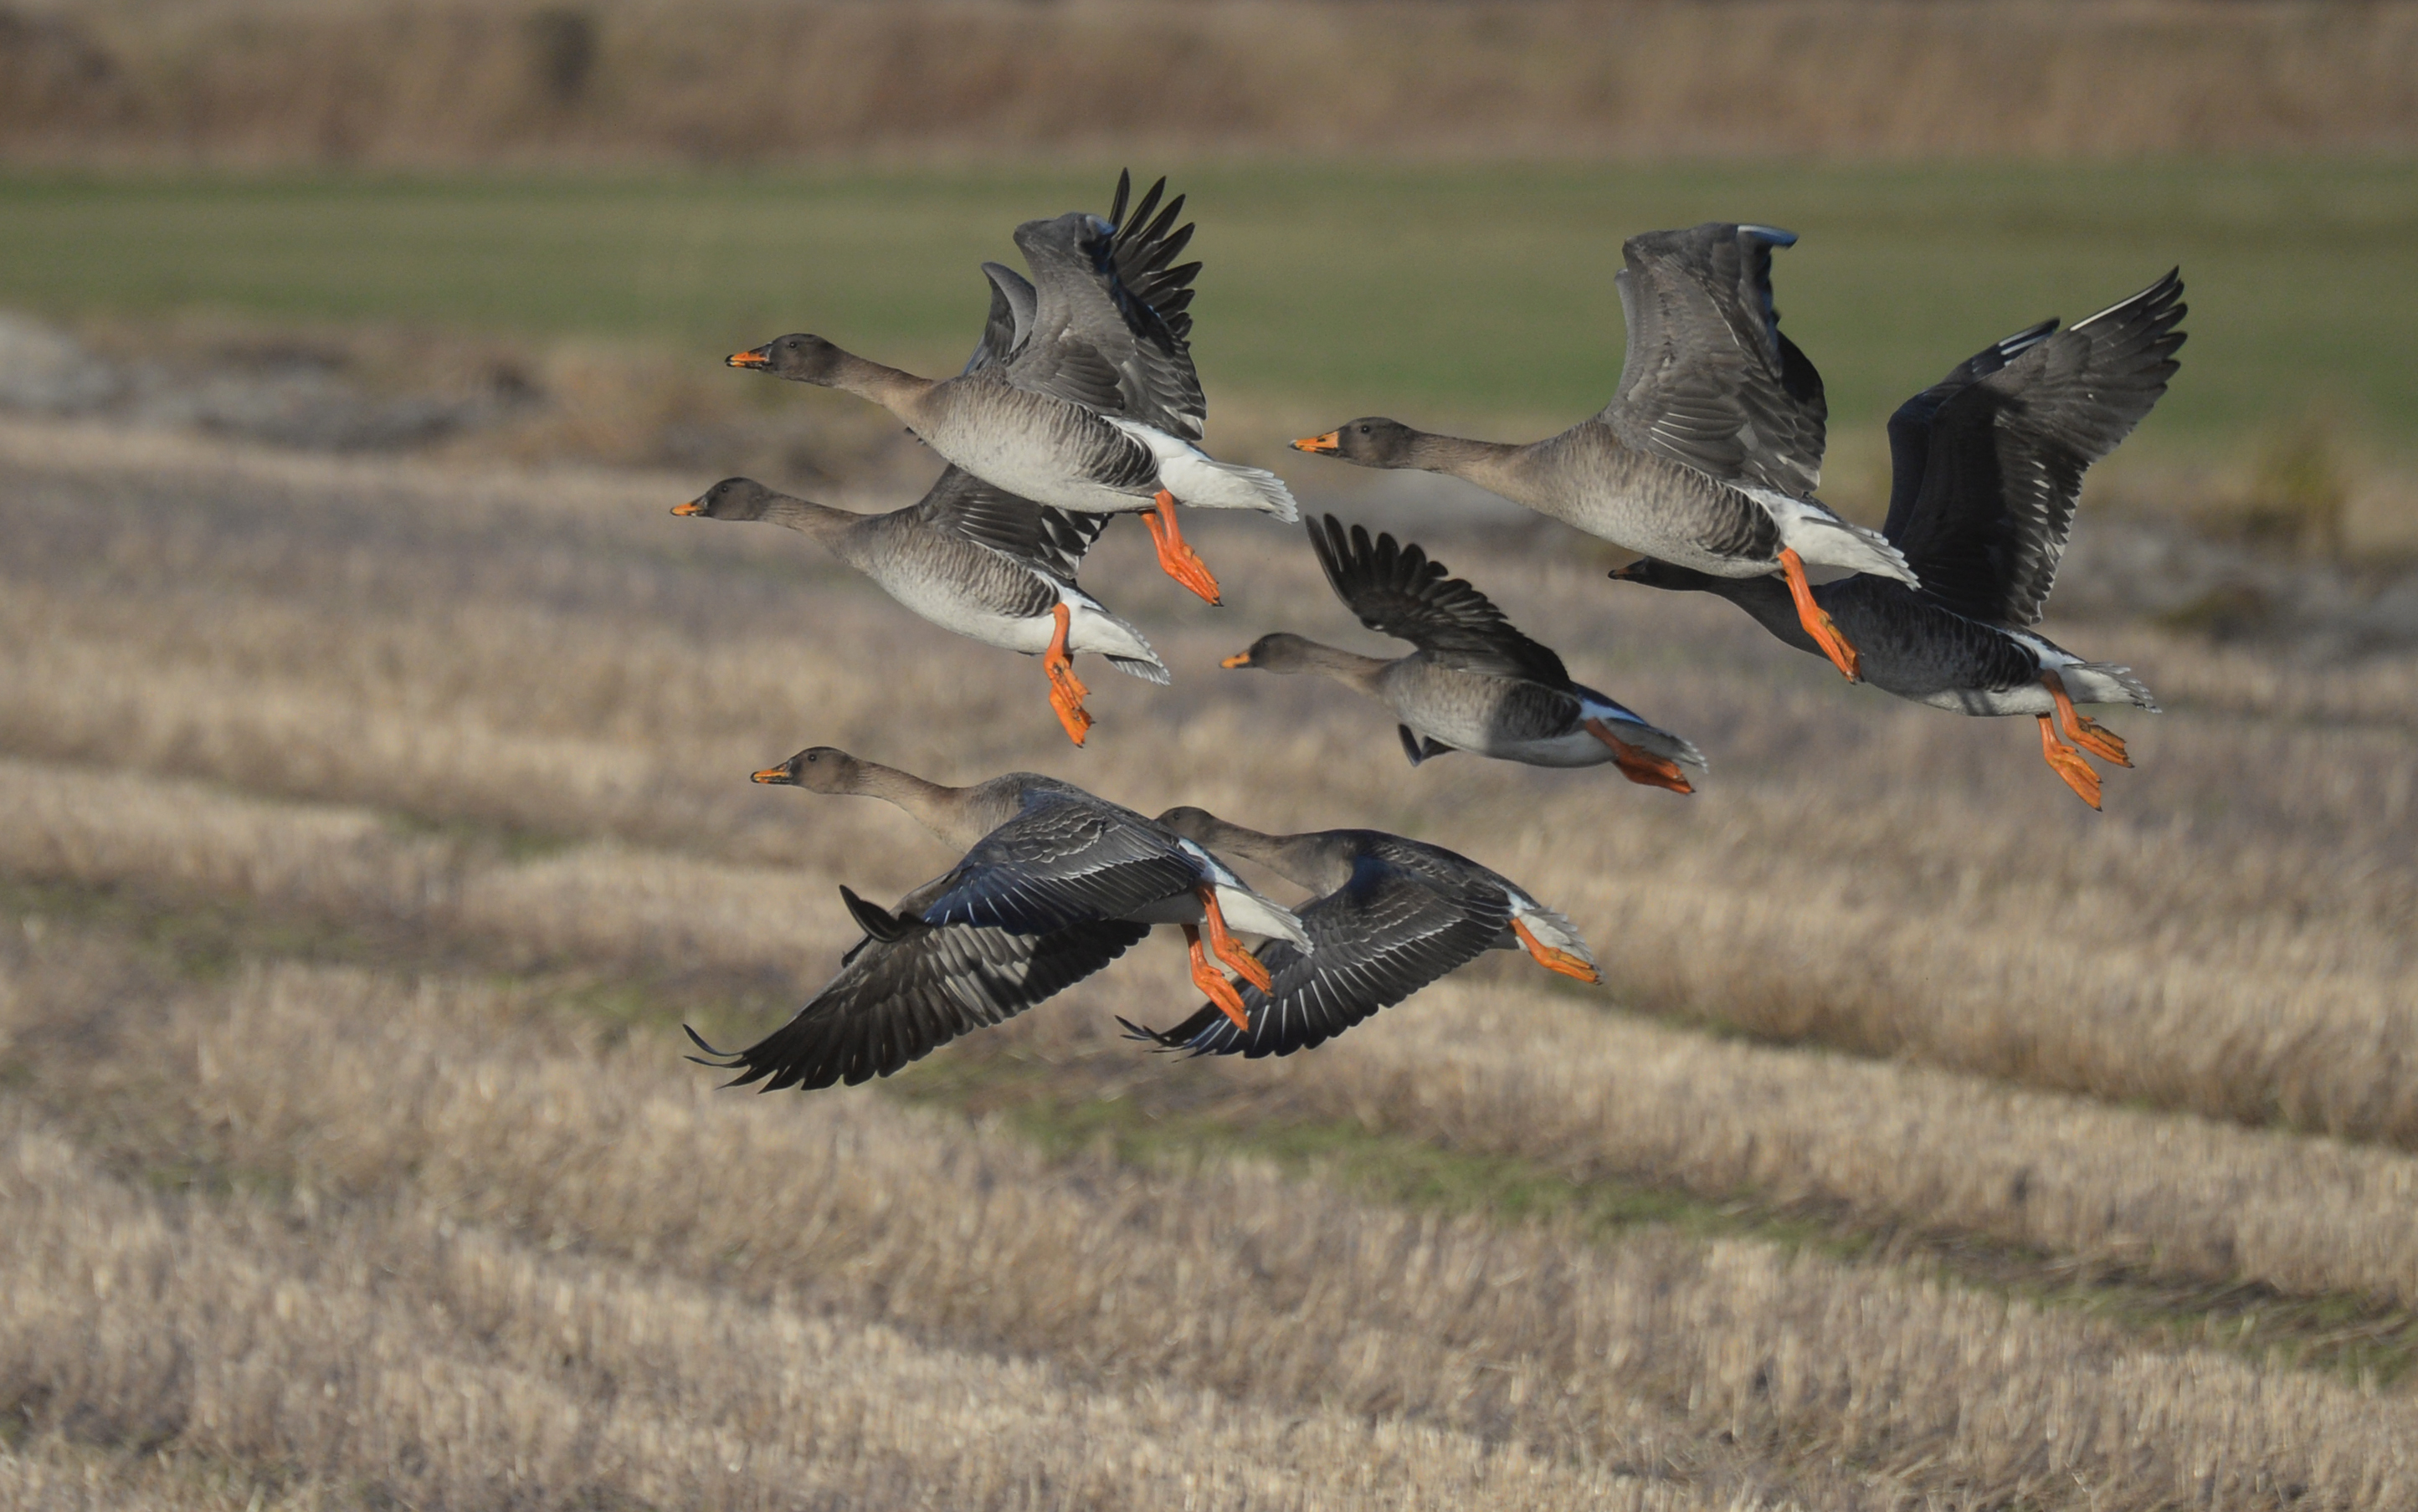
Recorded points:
(374, 802)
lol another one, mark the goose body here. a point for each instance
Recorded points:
(1054, 882)
(1474, 682)
(1084, 395)
(1709, 453)
(1988, 465)
(973, 560)
(1392, 915)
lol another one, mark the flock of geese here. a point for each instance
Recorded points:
(1080, 403)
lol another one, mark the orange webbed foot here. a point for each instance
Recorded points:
(1066, 690)
(1213, 982)
(1176, 557)
(1555, 960)
(1638, 764)
(1067, 704)
(1817, 621)
(2081, 728)
(1229, 950)
(2067, 763)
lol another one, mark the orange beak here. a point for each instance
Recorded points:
(695, 506)
(772, 775)
(1325, 446)
(753, 358)
(1238, 659)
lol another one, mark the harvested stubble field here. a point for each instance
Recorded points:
(367, 827)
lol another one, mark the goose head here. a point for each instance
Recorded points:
(799, 358)
(733, 498)
(1373, 441)
(819, 769)
(1277, 653)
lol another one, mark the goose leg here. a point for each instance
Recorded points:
(1213, 982)
(1638, 764)
(1560, 961)
(1229, 950)
(1176, 557)
(2067, 763)
(1817, 624)
(2081, 728)
(1067, 690)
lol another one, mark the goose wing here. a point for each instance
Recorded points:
(1012, 300)
(1708, 379)
(1037, 535)
(1391, 929)
(1986, 464)
(1396, 591)
(1066, 858)
(1110, 318)
(908, 988)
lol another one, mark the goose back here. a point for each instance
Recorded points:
(1709, 381)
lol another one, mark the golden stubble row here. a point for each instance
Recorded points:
(1489, 1061)
(361, 1096)
(383, 1345)
(2256, 974)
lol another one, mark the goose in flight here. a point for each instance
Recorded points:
(1985, 466)
(974, 560)
(1392, 915)
(1708, 454)
(1082, 395)
(1053, 884)
(1475, 683)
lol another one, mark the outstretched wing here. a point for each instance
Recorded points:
(1709, 380)
(1396, 590)
(1010, 319)
(1066, 858)
(907, 988)
(1384, 934)
(1052, 540)
(1110, 317)
(1909, 428)
(1984, 522)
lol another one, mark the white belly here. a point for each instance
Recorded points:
(1023, 462)
(937, 603)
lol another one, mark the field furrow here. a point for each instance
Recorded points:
(341, 1090)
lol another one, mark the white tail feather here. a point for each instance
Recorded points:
(1822, 538)
(1200, 479)
(2104, 682)
(1551, 929)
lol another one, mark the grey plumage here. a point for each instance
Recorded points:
(970, 558)
(1986, 467)
(909, 987)
(1055, 883)
(1082, 392)
(1709, 451)
(1394, 914)
(1474, 682)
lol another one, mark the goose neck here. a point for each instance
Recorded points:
(821, 521)
(1300, 859)
(901, 393)
(941, 809)
(1348, 667)
(1486, 464)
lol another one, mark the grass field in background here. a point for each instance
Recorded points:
(1438, 293)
